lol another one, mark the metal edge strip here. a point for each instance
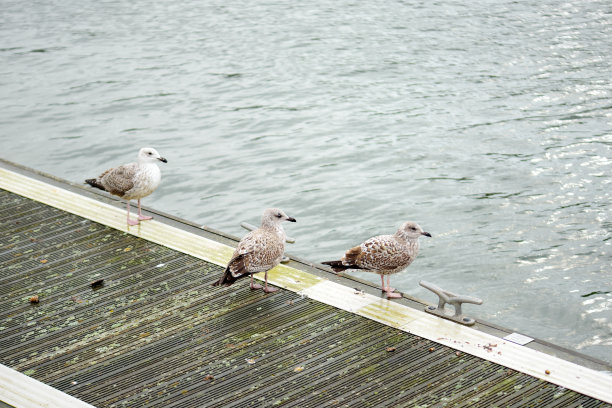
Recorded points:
(21, 391)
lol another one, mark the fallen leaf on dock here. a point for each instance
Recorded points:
(250, 360)
(390, 349)
(489, 347)
(298, 369)
(97, 283)
(209, 377)
(34, 299)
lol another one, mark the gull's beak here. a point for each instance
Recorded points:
(291, 219)
(162, 160)
(427, 234)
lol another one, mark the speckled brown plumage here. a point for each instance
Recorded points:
(260, 250)
(133, 180)
(384, 254)
(120, 180)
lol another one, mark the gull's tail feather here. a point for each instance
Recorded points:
(95, 183)
(236, 269)
(338, 266)
(226, 279)
(350, 260)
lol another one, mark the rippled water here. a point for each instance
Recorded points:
(488, 122)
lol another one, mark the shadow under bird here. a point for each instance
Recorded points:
(132, 181)
(384, 254)
(260, 250)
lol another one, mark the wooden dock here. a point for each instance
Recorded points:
(128, 318)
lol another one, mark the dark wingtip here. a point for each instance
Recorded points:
(223, 281)
(336, 266)
(95, 183)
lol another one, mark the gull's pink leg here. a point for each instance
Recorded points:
(130, 222)
(390, 291)
(140, 216)
(253, 285)
(386, 288)
(269, 289)
(389, 288)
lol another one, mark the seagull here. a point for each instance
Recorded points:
(384, 254)
(132, 181)
(260, 250)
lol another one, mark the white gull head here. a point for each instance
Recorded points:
(272, 217)
(149, 155)
(411, 231)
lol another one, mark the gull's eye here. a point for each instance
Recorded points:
(278, 216)
(413, 228)
(150, 153)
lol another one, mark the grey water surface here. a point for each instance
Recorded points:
(488, 122)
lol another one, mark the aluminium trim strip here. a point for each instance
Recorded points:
(21, 391)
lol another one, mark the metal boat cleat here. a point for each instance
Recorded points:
(444, 297)
(288, 240)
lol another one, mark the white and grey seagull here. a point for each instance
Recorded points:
(132, 181)
(260, 250)
(384, 254)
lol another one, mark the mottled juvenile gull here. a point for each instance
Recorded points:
(132, 181)
(384, 254)
(260, 250)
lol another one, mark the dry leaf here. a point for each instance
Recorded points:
(390, 349)
(128, 249)
(298, 369)
(34, 299)
(431, 349)
(43, 261)
(209, 377)
(250, 360)
(97, 283)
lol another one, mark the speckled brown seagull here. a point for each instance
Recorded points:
(384, 254)
(260, 250)
(132, 181)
